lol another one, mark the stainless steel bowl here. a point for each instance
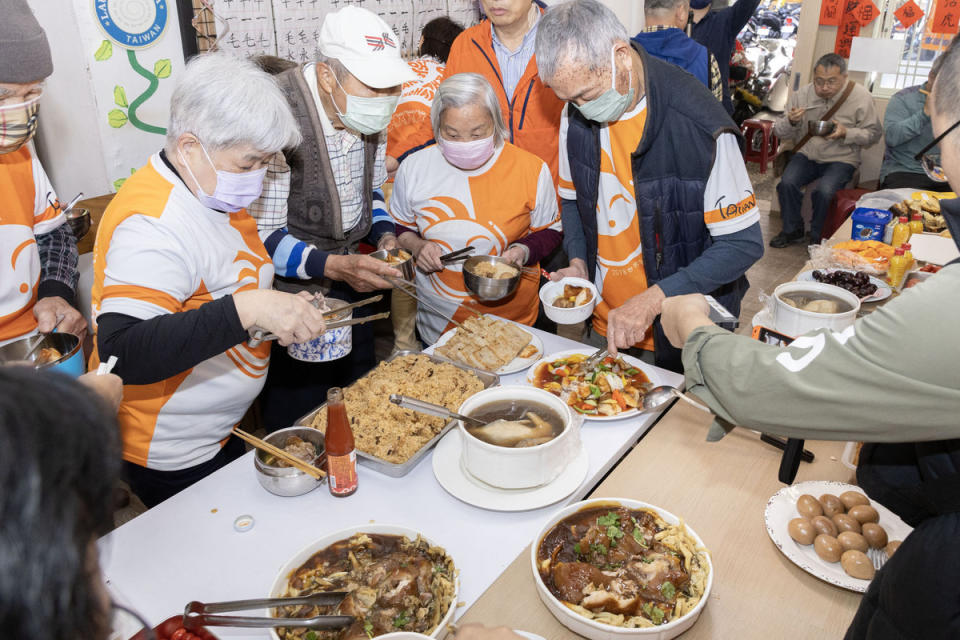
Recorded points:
(289, 481)
(405, 267)
(821, 127)
(79, 221)
(70, 361)
(489, 289)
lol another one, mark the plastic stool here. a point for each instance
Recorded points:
(768, 146)
(842, 205)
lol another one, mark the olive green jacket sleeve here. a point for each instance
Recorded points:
(892, 377)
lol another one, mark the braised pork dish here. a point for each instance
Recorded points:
(623, 567)
(393, 584)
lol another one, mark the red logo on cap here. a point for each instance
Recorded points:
(377, 42)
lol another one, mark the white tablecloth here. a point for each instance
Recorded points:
(187, 549)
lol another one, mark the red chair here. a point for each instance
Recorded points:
(759, 131)
(842, 205)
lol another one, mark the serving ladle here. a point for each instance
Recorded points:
(659, 396)
(432, 409)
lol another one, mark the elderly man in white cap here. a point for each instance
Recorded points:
(327, 198)
(38, 254)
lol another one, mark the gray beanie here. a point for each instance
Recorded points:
(24, 51)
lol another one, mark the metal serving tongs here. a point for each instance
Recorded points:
(411, 291)
(457, 256)
(257, 335)
(594, 359)
(196, 614)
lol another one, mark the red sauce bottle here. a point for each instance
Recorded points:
(338, 441)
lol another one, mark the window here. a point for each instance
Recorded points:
(919, 49)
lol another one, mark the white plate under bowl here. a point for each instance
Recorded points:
(600, 631)
(515, 365)
(283, 576)
(461, 485)
(782, 508)
(639, 364)
(882, 293)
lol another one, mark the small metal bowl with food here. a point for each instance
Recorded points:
(490, 278)
(397, 258)
(526, 436)
(569, 300)
(821, 128)
(278, 477)
(618, 568)
(59, 351)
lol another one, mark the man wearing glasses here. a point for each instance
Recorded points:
(833, 158)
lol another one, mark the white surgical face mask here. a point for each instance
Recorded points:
(234, 191)
(366, 115)
(611, 104)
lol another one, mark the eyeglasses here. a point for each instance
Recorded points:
(827, 82)
(931, 162)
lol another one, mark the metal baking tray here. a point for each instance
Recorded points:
(398, 470)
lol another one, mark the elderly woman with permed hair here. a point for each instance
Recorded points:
(473, 188)
(181, 275)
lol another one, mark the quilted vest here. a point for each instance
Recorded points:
(671, 166)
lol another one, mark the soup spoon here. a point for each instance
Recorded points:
(658, 396)
(432, 409)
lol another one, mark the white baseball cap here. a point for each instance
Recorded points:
(366, 46)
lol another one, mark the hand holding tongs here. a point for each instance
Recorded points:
(457, 256)
(196, 614)
(594, 359)
(257, 335)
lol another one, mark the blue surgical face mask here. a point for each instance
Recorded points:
(234, 191)
(366, 115)
(611, 104)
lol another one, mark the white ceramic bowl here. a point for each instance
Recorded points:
(553, 290)
(796, 322)
(525, 467)
(330, 345)
(597, 630)
(280, 583)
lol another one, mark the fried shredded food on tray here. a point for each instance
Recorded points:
(623, 567)
(488, 343)
(383, 429)
(392, 584)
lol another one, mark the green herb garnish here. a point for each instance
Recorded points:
(311, 635)
(598, 548)
(614, 533)
(631, 372)
(647, 608)
(595, 391)
(368, 628)
(401, 620)
(656, 615)
(667, 590)
(576, 549)
(638, 536)
(610, 519)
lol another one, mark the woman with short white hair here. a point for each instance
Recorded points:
(181, 275)
(473, 188)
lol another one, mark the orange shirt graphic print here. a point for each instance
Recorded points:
(20, 266)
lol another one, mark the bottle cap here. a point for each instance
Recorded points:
(906, 246)
(917, 216)
(904, 219)
(898, 251)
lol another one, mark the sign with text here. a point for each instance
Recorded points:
(830, 12)
(849, 28)
(908, 13)
(946, 17)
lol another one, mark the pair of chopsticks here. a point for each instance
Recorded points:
(293, 461)
(457, 256)
(107, 367)
(259, 336)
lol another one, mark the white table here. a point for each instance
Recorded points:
(187, 549)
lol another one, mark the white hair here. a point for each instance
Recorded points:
(462, 89)
(581, 32)
(226, 102)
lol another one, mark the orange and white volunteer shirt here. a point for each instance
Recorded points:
(620, 274)
(26, 211)
(159, 251)
(407, 129)
(489, 208)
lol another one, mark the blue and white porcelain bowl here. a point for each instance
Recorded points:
(331, 345)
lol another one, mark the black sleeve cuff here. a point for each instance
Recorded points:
(54, 288)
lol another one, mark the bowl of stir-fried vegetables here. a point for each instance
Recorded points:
(611, 390)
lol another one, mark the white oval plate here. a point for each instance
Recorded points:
(515, 365)
(782, 508)
(639, 364)
(461, 485)
(882, 293)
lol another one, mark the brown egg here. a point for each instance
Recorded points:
(823, 524)
(827, 547)
(892, 547)
(853, 498)
(802, 531)
(831, 505)
(851, 540)
(846, 522)
(864, 513)
(875, 535)
(808, 506)
(857, 564)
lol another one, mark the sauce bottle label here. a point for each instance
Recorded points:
(342, 472)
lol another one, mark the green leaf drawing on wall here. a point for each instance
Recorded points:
(133, 170)
(118, 183)
(161, 68)
(117, 118)
(104, 52)
(120, 96)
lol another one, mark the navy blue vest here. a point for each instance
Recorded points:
(676, 47)
(671, 166)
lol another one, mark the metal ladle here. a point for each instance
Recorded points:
(659, 396)
(432, 409)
